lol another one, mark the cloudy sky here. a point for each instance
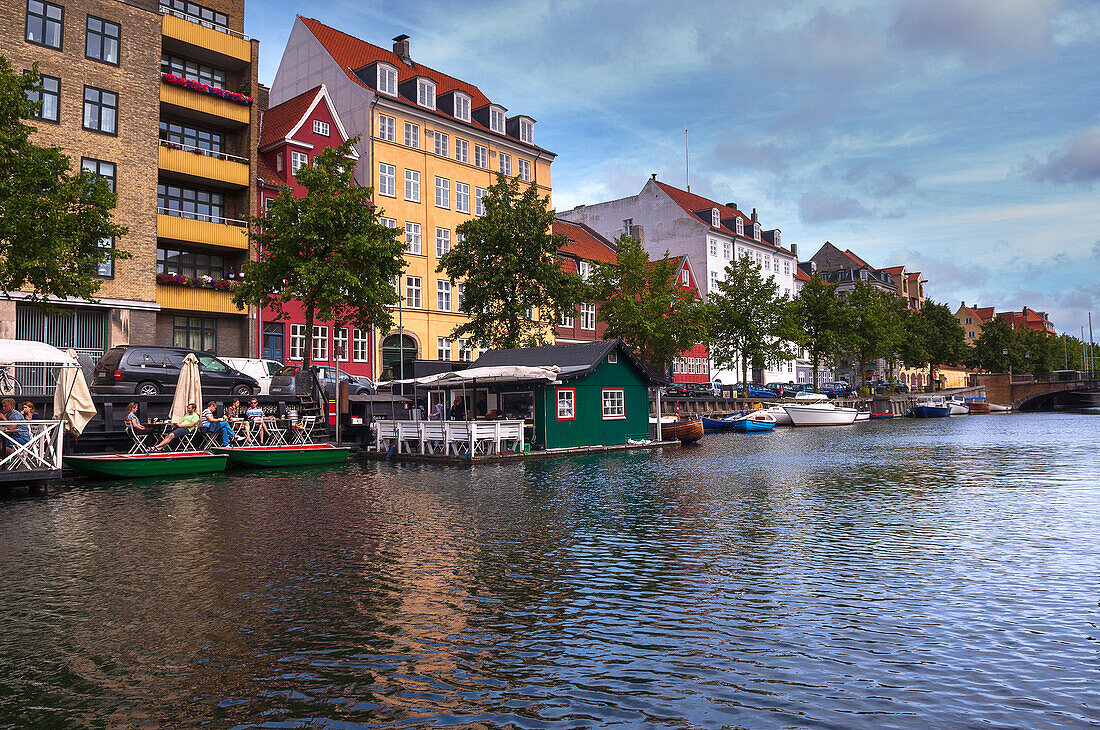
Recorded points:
(960, 138)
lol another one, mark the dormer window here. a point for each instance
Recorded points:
(387, 79)
(425, 93)
(526, 131)
(756, 231)
(776, 241)
(462, 107)
(740, 224)
(496, 119)
(715, 218)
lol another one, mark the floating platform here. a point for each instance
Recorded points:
(496, 458)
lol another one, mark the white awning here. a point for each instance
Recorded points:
(503, 373)
(27, 351)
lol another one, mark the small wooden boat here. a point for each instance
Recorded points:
(862, 416)
(167, 463)
(288, 455)
(876, 416)
(711, 425)
(977, 405)
(754, 422)
(930, 407)
(688, 431)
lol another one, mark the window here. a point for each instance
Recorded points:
(496, 119)
(208, 17)
(190, 203)
(479, 205)
(713, 280)
(320, 343)
(387, 180)
(588, 316)
(685, 277)
(505, 163)
(425, 93)
(442, 243)
(481, 156)
(465, 350)
(49, 96)
(101, 168)
(462, 150)
(412, 237)
(442, 144)
(715, 218)
(767, 261)
(100, 110)
(412, 186)
(584, 268)
(526, 131)
(44, 21)
(614, 403)
(192, 137)
(565, 319)
(340, 344)
(320, 127)
(524, 170)
(412, 135)
(969, 320)
(442, 192)
(106, 269)
(713, 247)
(462, 197)
(101, 40)
(530, 313)
(970, 334)
(297, 341)
(443, 348)
(628, 223)
(191, 265)
(756, 231)
(412, 292)
(195, 333)
(460, 296)
(462, 107)
(443, 296)
(567, 400)
(739, 224)
(297, 160)
(727, 250)
(388, 222)
(191, 70)
(387, 80)
(360, 345)
(613, 357)
(786, 268)
(387, 128)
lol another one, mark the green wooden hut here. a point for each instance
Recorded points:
(600, 397)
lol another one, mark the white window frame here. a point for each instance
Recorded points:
(460, 296)
(739, 225)
(613, 404)
(584, 268)
(320, 342)
(497, 120)
(713, 280)
(442, 241)
(442, 144)
(462, 150)
(443, 295)
(526, 131)
(588, 317)
(462, 197)
(388, 222)
(479, 205)
(412, 185)
(462, 107)
(685, 277)
(412, 238)
(712, 246)
(425, 93)
(413, 292)
(504, 163)
(567, 397)
(412, 135)
(465, 350)
(387, 180)
(715, 218)
(442, 192)
(298, 160)
(320, 128)
(443, 349)
(523, 168)
(481, 156)
(756, 231)
(360, 345)
(341, 338)
(565, 320)
(386, 80)
(727, 250)
(387, 128)
(297, 342)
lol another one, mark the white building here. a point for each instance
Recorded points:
(709, 234)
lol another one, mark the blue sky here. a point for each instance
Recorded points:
(960, 138)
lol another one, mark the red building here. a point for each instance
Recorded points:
(584, 250)
(1028, 319)
(291, 135)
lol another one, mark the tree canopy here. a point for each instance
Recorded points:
(748, 320)
(1028, 350)
(327, 249)
(514, 287)
(56, 224)
(933, 337)
(875, 325)
(822, 322)
(642, 302)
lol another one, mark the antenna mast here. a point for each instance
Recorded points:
(687, 168)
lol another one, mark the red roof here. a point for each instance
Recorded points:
(914, 276)
(584, 243)
(800, 274)
(265, 174)
(692, 203)
(858, 261)
(984, 313)
(277, 121)
(352, 53)
(894, 271)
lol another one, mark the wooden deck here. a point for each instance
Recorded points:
(497, 458)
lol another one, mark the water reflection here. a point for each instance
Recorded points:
(906, 574)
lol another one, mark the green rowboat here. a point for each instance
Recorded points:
(125, 466)
(277, 456)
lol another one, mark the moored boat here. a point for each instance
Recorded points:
(977, 405)
(999, 408)
(862, 416)
(820, 414)
(286, 455)
(780, 416)
(688, 430)
(933, 406)
(168, 463)
(754, 422)
(958, 406)
(711, 425)
(876, 416)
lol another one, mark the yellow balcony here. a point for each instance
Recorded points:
(187, 230)
(204, 103)
(196, 164)
(193, 299)
(227, 43)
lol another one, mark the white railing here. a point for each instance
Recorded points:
(177, 213)
(202, 151)
(42, 450)
(449, 438)
(201, 21)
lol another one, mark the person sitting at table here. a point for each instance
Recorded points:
(131, 418)
(28, 411)
(255, 414)
(211, 424)
(236, 419)
(458, 409)
(185, 426)
(437, 415)
(481, 408)
(20, 435)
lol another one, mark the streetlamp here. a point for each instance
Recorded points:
(1027, 359)
(1005, 353)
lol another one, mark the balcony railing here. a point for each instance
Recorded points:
(164, 9)
(202, 151)
(177, 213)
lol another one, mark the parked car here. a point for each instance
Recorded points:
(261, 370)
(782, 390)
(753, 390)
(901, 387)
(676, 390)
(149, 370)
(837, 390)
(705, 390)
(283, 381)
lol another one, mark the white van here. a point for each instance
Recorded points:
(261, 370)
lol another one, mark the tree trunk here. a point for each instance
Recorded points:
(307, 355)
(815, 360)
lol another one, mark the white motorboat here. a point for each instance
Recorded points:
(999, 408)
(780, 416)
(958, 406)
(863, 416)
(811, 397)
(820, 414)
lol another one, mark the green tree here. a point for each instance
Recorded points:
(988, 352)
(822, 322)
(875, 325)
(53, 221)
(748, 320)
(642, 302)
(514, 285)
(933, 337)
(327, 250)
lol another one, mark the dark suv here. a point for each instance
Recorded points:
(141, 370)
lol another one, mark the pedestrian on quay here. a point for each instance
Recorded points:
(218, 427)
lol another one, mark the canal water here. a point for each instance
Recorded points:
(940, 573)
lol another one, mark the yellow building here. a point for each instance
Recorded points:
(430, 146)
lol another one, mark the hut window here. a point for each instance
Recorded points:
(614, 403)
(567, 399)
(613, 357)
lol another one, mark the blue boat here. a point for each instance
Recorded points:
(754, 423)
(710, 425)
(930, 407)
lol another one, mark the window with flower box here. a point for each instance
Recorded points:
(191, 265)
(192, 70)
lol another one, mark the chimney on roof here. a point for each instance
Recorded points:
(401, 48)
(754, 218)
(652, 176)
(794, 250)
(732, 205)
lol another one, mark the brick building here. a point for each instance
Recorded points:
(143, 93)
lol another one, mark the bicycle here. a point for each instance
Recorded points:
(8, 384)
